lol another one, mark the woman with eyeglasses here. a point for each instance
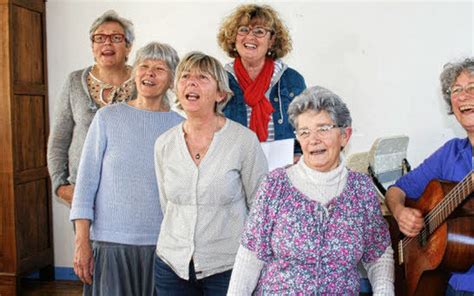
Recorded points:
(106, 82)
(313, 222)
(116, 207)
(451, 162)
(263, 86)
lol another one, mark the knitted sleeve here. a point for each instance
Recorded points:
(245, 274)
(381, 274)
(60, 138)
(89, 172)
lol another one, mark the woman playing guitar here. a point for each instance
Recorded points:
(452, 162)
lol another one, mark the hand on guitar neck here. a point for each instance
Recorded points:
(409, 220)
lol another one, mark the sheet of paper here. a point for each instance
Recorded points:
(279, 153)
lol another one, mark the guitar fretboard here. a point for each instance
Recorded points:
(450, 202)
(442, 210)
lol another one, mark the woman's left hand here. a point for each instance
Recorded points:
(83, 259)
(84, 262)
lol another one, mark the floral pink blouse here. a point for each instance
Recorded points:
(309, 248)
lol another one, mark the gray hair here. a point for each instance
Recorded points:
(319, 99)
(157, 51)
(112, 16)
(207, 64)
(450, 74)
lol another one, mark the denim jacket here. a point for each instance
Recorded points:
(283, 89)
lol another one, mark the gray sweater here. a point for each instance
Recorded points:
(74, 112)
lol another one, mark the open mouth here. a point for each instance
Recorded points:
(148, 83)
(192, 96)
(250, 45)
(317, 152)
(108, 52)
(466, 108)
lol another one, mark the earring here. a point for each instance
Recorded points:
(269, 53)
(235, 49)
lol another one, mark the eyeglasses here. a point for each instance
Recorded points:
(323, 131)
(258, 32)
(114, 38)
(456, 90)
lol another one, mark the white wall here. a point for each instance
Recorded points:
(383, 58)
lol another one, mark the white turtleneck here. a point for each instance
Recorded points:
(321, 187)
(318, 186)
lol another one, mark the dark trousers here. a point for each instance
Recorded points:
(167, 283)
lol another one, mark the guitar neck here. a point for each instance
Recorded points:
(451, 201)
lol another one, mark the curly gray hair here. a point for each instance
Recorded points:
(318, 99)
(112, 16)
(450, 74)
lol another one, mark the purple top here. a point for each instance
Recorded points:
(452, 162)
(310, 248)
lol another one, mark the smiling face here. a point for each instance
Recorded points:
(463, 103)
(253, 49)
(109, 54)
(152, 79)
(321, 153)
(198, 92)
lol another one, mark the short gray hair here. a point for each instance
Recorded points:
(157, 51)
(112, 16)
(207, 64)
(451, 72)
(319, 99)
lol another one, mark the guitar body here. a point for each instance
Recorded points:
(427, 266)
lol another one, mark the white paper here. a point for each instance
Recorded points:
(279, 153)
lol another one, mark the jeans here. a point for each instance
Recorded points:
(167, 283)
(451, 292)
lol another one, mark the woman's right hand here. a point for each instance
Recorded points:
(66, 193)
(410, 221)
(83, 259)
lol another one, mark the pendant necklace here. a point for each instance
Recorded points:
(197, 155)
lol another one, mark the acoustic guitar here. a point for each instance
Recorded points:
(444, 245)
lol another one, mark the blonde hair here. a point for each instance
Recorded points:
(207, 64)
(246, 13)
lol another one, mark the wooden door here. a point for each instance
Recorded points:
(25, 216)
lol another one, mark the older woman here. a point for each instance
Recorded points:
(262, 84)
(452, 162)
(206, 182)
(314, 221)
(106, 82)
(116, 204)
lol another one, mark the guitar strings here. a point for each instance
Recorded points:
(451, 196)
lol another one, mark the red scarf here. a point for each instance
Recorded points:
(254, 96)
